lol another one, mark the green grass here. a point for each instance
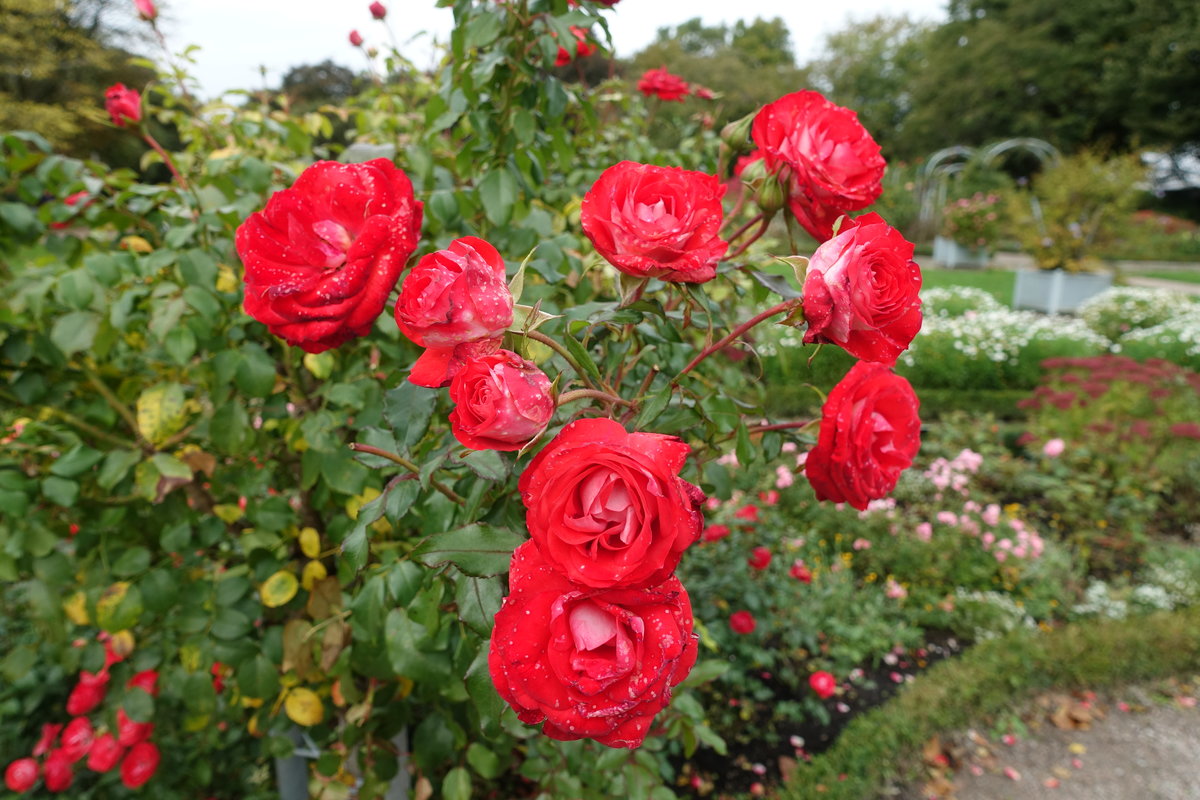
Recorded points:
(998, 282)
(988, 679)
(1182, 275)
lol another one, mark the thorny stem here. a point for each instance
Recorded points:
(182, 181)
(582, 394)
(750, 223)
(358, 447)
(780, 426)
(786, 305)
(744, 246)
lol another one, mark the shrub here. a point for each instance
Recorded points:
(1118, 311)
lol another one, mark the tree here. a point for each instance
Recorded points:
(310, 85)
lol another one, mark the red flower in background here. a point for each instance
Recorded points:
(742, 622)
(356, 38)
(21, 775)
(714, 532)
(77, 739)
(823, 683)
(88, 693)
(800, 572)
(130, 732)
(123, 105)
(146, 9)
(378, 10)
(583, 48)
(146, 680)
(760, 558)
(139, 765)
(501, 402)
(57, 771)
(823, 154)
(106, 751)
(323, 256)
(663, 85)
(49, 737)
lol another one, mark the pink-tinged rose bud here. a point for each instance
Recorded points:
(21, 775)
(823, 684)
(456, 304)
(88, 693)
(760, 558)
(895, 591)
(663, 85)
(123, 105)
(129, 732)
(378, 10)
(77, 739)
(140, 764)
(146, 9)
(1054, 448)
(501, 402)
(801, 572)
(356, 38)
(57, 771)
(742, 622)
(146, 680)
(106, 751)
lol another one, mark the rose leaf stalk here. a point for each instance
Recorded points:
(785, 306)
(562, 351)
(593, 394)
(359, 447)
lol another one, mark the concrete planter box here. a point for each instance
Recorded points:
(950, 254)
(1057, 291)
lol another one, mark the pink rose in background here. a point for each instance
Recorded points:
(123, 105)
(146, 9)
(924, 531)
(456, 304)
(1054, 448)
(742, 622)
(356, 38)
(378, 10)
(894, 590)
(501, 402)
(823, 683)
(663, 85)
(861, 291)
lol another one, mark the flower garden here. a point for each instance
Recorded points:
(528, 448)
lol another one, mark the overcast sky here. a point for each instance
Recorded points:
(236, 37)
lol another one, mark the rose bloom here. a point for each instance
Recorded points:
(88, 693)
(323, 256)
(77, 738)
(456, 304)
(742, 622)
(104, 754)
(823, 684)
(715, 532)
(760, 558)
(663, 85)
(57, 771)
(607, 508)
(747, 512)
(501, 402)
(824, 156)
(592, 663)
(1054, 448)
(356, 38)
(49, 736)
(146, 680)
(146, 9)
(129, 732)
(801, 572)
(139, 765)
(583, 48)
(656, 222)
(122, 104)
(860, 291)
(21, 775)
(378, 10)
(869, 434)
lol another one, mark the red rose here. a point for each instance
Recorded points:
(800, 572)
(860, 291)
(607, 508)
(823, 154)
(21, 775)
(378, 10)
(747, 512)
(742, 622)
(122, 104)
(869, 434)
(57, 771)
(656, 222)
(501, 402)
(592, 663)
(88, 693)
(77, 739)
(323, 256)
(760, 558)
(456, 304)
(714, 532)
(146, 9)
(356, 38)
(583, 48)
(218, 677)
(139, 765)
(146, 680)
(49, 736)
(823, 684)
(105, 753)
(663, 85)
(129, 732)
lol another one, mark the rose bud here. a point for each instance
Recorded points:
(123, 105)
(88, 693)
(146, 680)
(801, 572)
(501, 402)
(323, 256)
(456, 304)
(105, 753)
(824, 156)
(129, 732)
(760, 558)
(583, 48)
(869, 434)
(146, 9)
(663, 85)
(139, 765)
(742, 622)
(607, 508)
(356, 38)
(49, 736)
(656, 222)
(21, 775)
(823, 684)
(592, 663)
(77, 739)
(378, 10)
(57, 771)
(860, 291)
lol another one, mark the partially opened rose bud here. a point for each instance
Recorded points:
(77, 739)
(356, 38)
(146, 9)
(823, 683)
(501, 402)
(378, 10)
(88, 693)
(122, 104)
(57, 771)
(104, 754)
(737, 134)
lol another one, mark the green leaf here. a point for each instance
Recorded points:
(77, 460)
(478, 550)
(180, 344)
(404, 638)
(457, 784)
(75, 332)
(478, 600)
(487, 464)
(498, 195)
(343, 473)
(255, 374)
(408, 408)
(581, 356)
(60, 491)
(483, 694)
(482, 30)
(138, 704)
(131, 562)
(743, 449)
(356, 548)
(116, 466)
(18, 662)
(704, 672)
(258, 677)
(653, 406)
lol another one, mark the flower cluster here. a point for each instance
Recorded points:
(974, 221)
(1120, 310)
(663, 85)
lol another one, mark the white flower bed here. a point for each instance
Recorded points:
(1182, 330)
(1000, 335)
(1120, 310)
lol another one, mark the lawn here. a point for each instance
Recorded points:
(998, 282)
(1184, 276)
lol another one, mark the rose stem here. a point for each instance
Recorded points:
(786, 305)
(744, 246)
(358, 447)
(780, 426)
(150, 140)
(749, 224)
(562, 351)
(582, 394)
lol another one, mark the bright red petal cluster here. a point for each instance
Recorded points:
(501, 402)
(123, 105)
(663, 85)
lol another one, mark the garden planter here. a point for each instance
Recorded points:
(1057, 291)
(951, 254)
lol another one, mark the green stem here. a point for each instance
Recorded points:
(583, 394)
(562, 351)
(358, 447)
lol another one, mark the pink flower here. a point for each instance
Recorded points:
(947, 517)
(1053, 448)
(146, 9)
(760, 558)
(861, 544)
(924, 531)
(770, 497)
(991, 514)
(378, 10)
(783, 477)
(823, 683)
(356, 38)
(895, 591)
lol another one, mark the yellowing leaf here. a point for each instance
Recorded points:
(358, 501)
(122, 643)
(136, 244)
(194, 723)
(319, 364)
(313, 571)
(189, 656)
(279, 589)
(303, 707)
(227, 281)
(228, 512)
(1077, 749)
(160, 412)
(75, 607)
(310, 543)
